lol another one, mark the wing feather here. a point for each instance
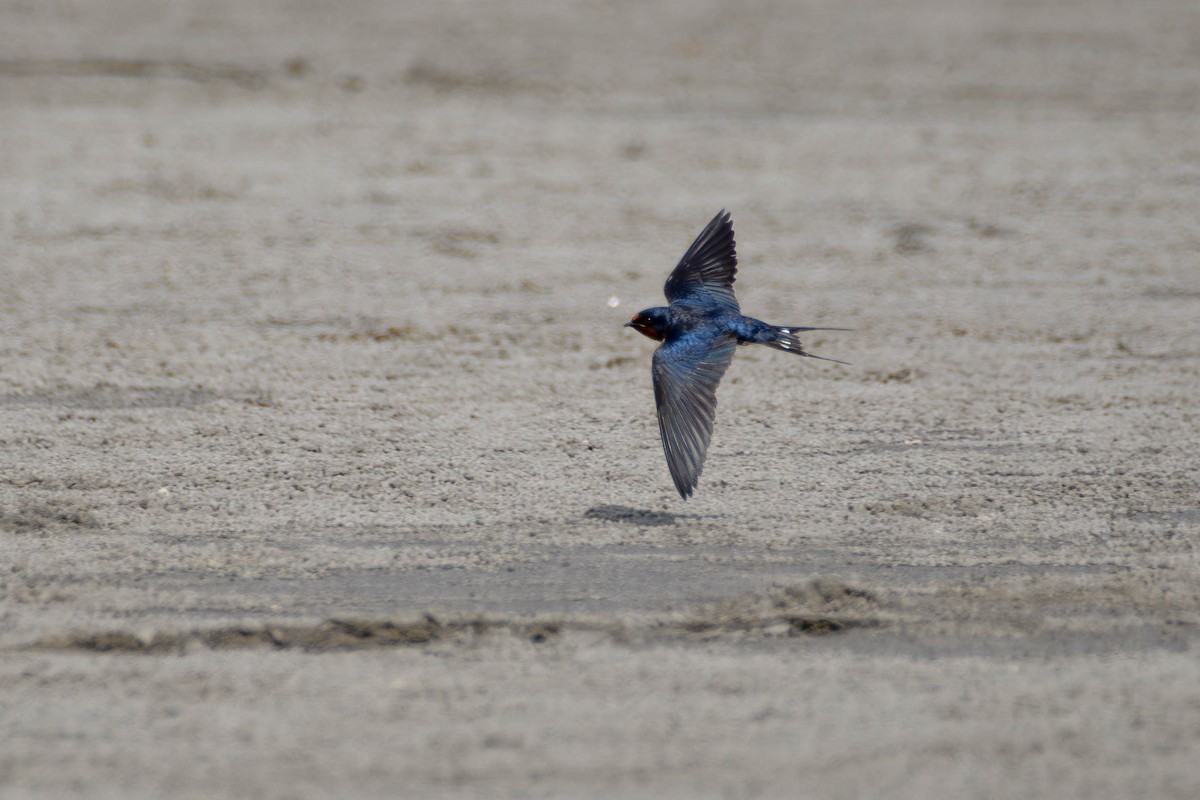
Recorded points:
(686, 376)
(706, 272)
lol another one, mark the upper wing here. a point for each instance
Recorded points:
(685, 390)
(705, 273)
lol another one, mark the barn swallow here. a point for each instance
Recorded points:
(699, 329)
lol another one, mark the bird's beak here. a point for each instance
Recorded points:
(628, 324)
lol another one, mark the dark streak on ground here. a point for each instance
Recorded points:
(781, 612)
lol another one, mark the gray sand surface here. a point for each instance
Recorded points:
(327, 469)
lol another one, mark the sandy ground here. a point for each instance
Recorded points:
(326, 466)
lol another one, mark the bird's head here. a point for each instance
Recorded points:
(651, 322)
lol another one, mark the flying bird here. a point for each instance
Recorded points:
(699, 329)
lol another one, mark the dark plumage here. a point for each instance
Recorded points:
(699, 329)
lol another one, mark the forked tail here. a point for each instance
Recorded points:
(785, 338)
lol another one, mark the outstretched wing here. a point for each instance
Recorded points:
(686, 375)
(705, 273)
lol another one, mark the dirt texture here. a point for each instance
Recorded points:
(327, 467)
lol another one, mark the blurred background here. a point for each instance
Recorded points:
(879, 159)
(311, 311)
